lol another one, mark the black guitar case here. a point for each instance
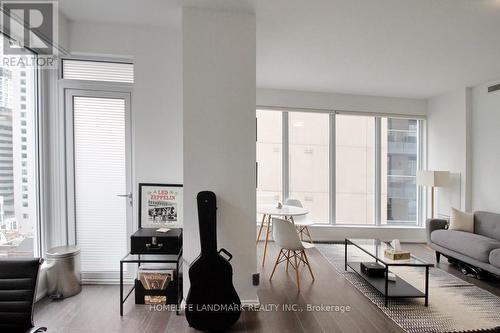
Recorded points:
(212, 303)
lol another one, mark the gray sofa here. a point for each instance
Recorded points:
(480, 249)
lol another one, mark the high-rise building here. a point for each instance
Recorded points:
(402, 159)
(6, 152)
(17, 168)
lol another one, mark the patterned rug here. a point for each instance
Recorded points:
(454, 305)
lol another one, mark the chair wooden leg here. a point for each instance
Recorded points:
(296, 270)
(276, 264)
(287, 260)
(307, 263)
(301, 259)
(260, 228)
(301, 233)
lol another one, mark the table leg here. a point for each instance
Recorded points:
(427, 286)
(345, 254)
(178, 287)
(267, 239)
(261, 226)
(121, 288)
(386, 300)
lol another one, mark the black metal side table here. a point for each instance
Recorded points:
(154, 258)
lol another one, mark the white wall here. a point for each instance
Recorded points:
(448, 136)
(219, 133)
(486, 148)
(463, 137)
(340, 102)
(157, 95)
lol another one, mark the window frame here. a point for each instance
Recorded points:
(421, 161)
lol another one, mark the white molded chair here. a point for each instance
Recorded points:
(302, 221)
(292, 248)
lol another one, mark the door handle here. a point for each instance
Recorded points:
(128, 196)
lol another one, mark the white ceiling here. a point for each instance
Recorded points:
(407, 48)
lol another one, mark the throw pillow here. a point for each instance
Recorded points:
(461, 221)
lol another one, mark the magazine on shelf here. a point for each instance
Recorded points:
(155, 279)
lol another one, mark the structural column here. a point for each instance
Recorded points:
(219, 133)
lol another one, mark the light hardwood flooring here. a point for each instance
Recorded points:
(96, 308)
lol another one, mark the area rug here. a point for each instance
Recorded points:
(454, 305)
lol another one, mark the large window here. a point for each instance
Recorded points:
(18, 157)
(400, 162)
(308, 166)
(355, 161)
(346, 169)
(269, 154)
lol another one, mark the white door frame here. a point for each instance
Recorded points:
(71, 89)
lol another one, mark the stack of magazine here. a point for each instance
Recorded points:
(155, 277)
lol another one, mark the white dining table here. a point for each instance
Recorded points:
(268, 211)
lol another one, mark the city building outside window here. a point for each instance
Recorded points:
(18, 164)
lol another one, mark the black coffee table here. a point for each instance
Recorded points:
(389, 289)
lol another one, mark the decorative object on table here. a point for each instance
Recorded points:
(461, 221)
(433, 179)
(279, 205)
(160, 205)
(211, 276)
(450, 297)
(396, 252)
(152, 241)
(373, 269)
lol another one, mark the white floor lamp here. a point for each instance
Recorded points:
(433, 179)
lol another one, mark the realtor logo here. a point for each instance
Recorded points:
(31, 24)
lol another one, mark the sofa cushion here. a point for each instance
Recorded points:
(495, 258)
(487, 224)
(461, 221)
(466, 243)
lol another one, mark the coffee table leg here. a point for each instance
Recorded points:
(427, 286)
(386, 286)
(345, 254)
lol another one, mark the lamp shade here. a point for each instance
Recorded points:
(433, 178)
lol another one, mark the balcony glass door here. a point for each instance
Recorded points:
(100, 186)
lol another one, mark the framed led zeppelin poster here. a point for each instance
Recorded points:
(160, 205)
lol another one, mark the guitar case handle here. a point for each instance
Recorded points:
(226, 252)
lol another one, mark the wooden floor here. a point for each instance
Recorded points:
(96, 308)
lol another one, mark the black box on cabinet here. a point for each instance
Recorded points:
(150, 241)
